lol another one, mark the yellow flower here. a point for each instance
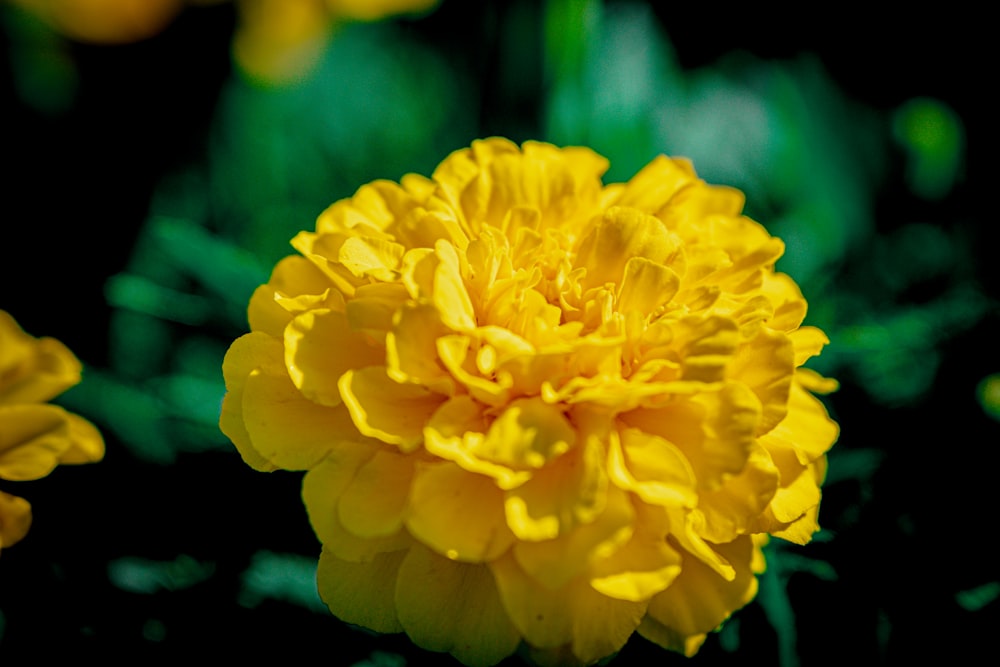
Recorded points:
(35, 436)
(535, 408)
(280, 41)
(276, 41)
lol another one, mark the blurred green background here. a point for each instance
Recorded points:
(151, 183)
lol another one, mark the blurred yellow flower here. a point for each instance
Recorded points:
(104, 21)
(276, 41)
(35, 436)
(279, 41)
(536, 408)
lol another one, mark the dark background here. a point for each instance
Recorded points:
(75, 193)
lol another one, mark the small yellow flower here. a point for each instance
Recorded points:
(535, 408)
(35, 436)
(276, 41)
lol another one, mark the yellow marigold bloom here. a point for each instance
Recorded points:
(536, 408)
(282, 40)
(34, 436)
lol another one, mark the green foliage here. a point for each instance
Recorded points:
(279, 576)
(933, 138)
(382, 659)
(979, 597)
(144, 576)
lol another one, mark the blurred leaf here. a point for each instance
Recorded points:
(975, 599)
(41, 67)
(382, 659)
(773, 599)
(852, 464)
(893, 350)
(792, 562)
(137, 418)
(729, 635)
(225, 269)
(933, 137)
(278, 576)
(145, 296)
(140, 575)
(570, 26)
(156, 418)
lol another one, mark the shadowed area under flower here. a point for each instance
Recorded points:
(35, 436)
(537, 410)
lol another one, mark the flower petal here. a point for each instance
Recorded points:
(284, 427)
(714, 430)
(592, 625)
(450, 606)
(309, 339)
(412, 348)
(640, 569)
(373, 503)
(527, 434)
(294, 275)
(387, 410)
(645, 286)
(766, 365)
(15, 519)
(322, 488)
(556, 561)
(725, 513)
(568, 491)
(245, 355)
(806, 430)
(622, 234)
(652, 468)
(445, 497)
(699, 599)
(361, 593)
(86, 442)
(33, 370)
(33, 439)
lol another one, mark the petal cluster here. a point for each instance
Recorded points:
(36, 436)
(535, 409)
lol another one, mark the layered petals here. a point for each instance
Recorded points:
(36, 436)
(536, 410)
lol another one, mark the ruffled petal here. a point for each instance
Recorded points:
(453, 607)
(699, 600)
(33, 439)
(806, 430)
(374, 502)
(569, 491)
(15, 519)
(313, 370)
(33, 370)
(444, 497)
(286, 429)
(387, 410)
(322, 488)
(640, 569)
(623, 234)
(361, 593)
(555, 562)
(575, 615)
(730, 510)
(291, 277)
(247, 353)
(86, 444)
(766, 365)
